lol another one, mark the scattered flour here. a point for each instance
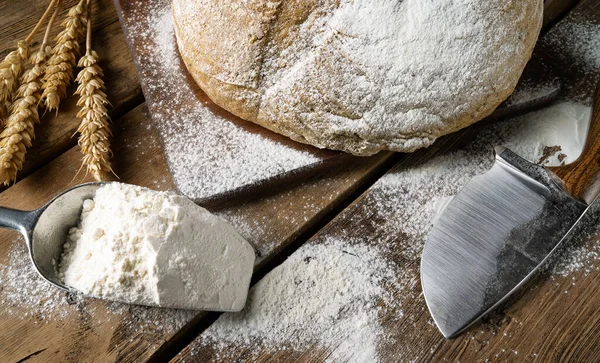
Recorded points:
(582, 254)
(22, 289)
(526, 92)
(574, 48)
(207, 153)
(579, 258)
(323, 293)
(145, 247)
(580, 41)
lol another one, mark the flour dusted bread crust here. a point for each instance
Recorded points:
(358, 75)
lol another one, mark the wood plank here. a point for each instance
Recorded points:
(553, 319)
(19, 17)
(102, 331)
(106, 332)
(524, 331)
(555, 9)
(54, 134)
(567, 50)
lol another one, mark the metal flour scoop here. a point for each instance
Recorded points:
(46, 230)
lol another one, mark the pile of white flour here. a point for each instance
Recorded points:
(145, 247)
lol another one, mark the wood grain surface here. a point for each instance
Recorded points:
(98, 331)
(276, 221)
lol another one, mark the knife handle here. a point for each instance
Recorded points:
(579, 176)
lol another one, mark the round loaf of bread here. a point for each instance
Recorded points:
(358, 75)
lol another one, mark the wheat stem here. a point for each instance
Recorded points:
(41, 21)
(88, 36)
(94, 128)
(19, 132)
(50, 23)
(11, 68)
(59, 72)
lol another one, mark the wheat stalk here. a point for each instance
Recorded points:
(11, 68)
(59, 72)
(18, 134)
(94, 128)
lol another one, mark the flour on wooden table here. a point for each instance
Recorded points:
(581, 41)
(206, 153)
(576, 44)
(322, 292)
(579, 256)
(24, 293)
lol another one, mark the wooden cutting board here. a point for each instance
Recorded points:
(209, 151)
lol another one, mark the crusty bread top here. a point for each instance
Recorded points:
(358, 76)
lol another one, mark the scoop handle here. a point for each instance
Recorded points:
(19, 220)
(579, 176)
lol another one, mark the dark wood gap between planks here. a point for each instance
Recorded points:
(559, 9)
(196, 326)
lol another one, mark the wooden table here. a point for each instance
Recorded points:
(543, 324)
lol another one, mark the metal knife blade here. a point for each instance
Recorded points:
(491, 238)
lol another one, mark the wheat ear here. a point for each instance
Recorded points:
(94, 128)
(18, 134)
(19, 131)
(59, 72)
(11, 68)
